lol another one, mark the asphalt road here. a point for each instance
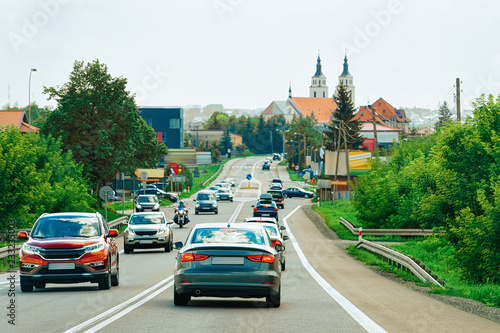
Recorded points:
(323, 289)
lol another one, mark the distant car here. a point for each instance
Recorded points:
(278, 197)
(299, 192)
(160, 186)
(223, 185)
(277, 180)
(152, 191)
(229, 181)
(276, 157)
(148, 230)
(214, 188)
(206, 202)
(265, 206)
(276, 186)
(171, 196)
(147, 202)
(224, 194)
(276, 238)
(261, 219)
(221, 260)
(266, 166)
(69, 248)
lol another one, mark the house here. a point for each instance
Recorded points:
(279, 108)
(207, 136)
(18, 119)
(386, 136)
(390, 116)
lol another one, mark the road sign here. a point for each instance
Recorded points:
(249, 176)
(106, 193)
(301, 174)
(314, 182)
(296, 168)
(177, 179)
(144, 175)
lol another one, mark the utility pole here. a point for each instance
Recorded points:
(374, 130)
(457, 86)
(346, 158)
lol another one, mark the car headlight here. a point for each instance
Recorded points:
(214, 205)
(197, 205)
(130, 231)
(94, 248)
(161, 230)
(30, 249)
(157, 206)
(138, 206)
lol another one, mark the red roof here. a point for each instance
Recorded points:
(388, 112)
(16, 118)
(364, 115)
(323, 108)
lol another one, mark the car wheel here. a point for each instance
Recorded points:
(115, 279)
(216, 212)
(283, 266)
(169, 247)
(306, 196)
(128, 250)
(274, 301)
(285, 195)
(180, 299)
(196, 212)
(106, 283)
(40, 285)
(25, 286)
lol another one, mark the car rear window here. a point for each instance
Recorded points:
(227, 235)
(67, 226)
(271, 230)
(276, 194)
(204, 196)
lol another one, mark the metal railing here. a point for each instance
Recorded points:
(401, 260)
(4, 251)
(212, 176)
(388, 232)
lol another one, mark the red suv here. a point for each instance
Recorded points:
(69, 248)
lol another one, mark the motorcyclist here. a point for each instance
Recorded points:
(182, 205)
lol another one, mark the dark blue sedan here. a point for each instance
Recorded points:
(298, 192)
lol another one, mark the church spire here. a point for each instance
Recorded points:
(318, 67)
(346, 67)
(290, 90)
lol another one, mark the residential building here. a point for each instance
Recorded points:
(18, 119)
(207, 136)
(167, 123)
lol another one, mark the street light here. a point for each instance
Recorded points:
(29, 100)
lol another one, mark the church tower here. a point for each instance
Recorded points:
(346, 79)
(318, 86)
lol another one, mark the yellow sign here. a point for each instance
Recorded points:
(313, 181)
(152, 173)
(293, 165)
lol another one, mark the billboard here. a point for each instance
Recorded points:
(359, 162)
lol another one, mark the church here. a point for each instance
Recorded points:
(318, 103)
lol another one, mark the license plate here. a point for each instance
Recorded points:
(146, 241)
(265, 214)
(61, 265)
(228, 260)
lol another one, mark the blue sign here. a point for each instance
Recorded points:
(301, 174)
(249, 176)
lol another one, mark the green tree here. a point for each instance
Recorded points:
(98, 120)
(342, 125)
(444, 114)
(226, 142)
(218, 120)
(37, 177)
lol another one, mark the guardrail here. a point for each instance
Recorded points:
(389, 232)
(396, 258)
(4, 251)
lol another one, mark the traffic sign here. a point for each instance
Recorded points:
(106, 193)
(249, 176)
(301, 174)
(296, 168)
(314, 181)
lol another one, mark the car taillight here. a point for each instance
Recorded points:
(193, 257)
(267, 258)
(275, 208)
(255, 208)
(275, 242)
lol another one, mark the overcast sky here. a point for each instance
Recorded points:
(244, 53)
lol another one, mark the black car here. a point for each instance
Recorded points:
(276, 157)
(206, 202)
(265, 207)
(266, 166)
(299, 192)
(278, 197)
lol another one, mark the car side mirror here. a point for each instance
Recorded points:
(170, 222)
(282, 227)
(280, 247)
(113, 233)
(252, 206)
(22, 235)
(286, 238)
(178, 245)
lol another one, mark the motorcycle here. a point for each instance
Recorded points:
(181, 216)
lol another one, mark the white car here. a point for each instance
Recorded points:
(276, 238)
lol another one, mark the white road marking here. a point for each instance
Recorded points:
(127, 310)
(352, 310)
(122, 305)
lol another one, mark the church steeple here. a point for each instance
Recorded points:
(318, 86)
(290, 90)
(346, 80)
(346, 67)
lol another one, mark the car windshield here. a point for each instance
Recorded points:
(66, 226)
(227, 235)
(147, 199)
(146, 219)
(271, 230)
(203, 196)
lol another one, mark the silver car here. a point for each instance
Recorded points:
(147, 202)
(148, 230)
(276, 238)
(228, 260)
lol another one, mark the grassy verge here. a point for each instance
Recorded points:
(439, 255)
(294, 177)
